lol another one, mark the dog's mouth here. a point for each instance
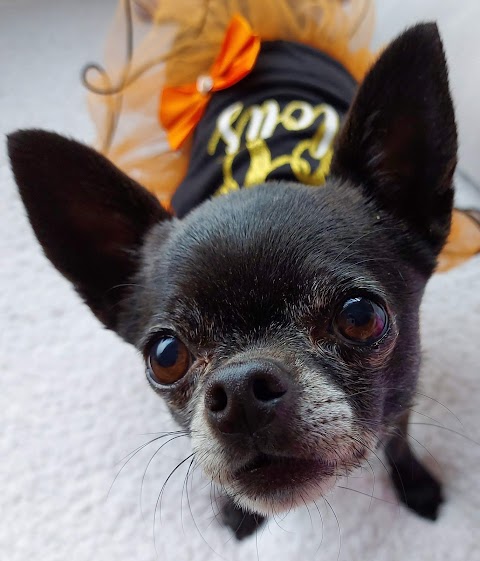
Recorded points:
(270, 483)
(270, 474)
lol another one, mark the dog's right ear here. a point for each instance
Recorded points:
(399, 141)
(89, 217)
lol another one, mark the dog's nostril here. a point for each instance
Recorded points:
(217, 399)
(267, 389)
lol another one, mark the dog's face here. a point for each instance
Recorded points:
(280, 323)
(278, 327)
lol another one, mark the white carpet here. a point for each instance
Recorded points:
(74, 401)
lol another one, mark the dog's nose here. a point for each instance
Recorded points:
(246, 397)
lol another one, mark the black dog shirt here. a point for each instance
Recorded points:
(279, 122)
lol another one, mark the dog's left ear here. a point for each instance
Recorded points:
(399, 142)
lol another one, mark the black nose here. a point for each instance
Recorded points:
(246, 397)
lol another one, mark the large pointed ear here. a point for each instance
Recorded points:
(399, 141)
(88, 216)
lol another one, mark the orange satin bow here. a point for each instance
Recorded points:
(182, 107)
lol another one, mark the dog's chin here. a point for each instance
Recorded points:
(270, 485)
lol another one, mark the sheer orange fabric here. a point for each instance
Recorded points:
(155, 46)
(463, 241)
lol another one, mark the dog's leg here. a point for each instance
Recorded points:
(241, 522)
(415, 486)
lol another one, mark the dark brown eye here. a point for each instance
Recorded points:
(361, 321)
(169, 360)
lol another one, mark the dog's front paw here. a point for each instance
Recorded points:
(417, 488)
(242, 523)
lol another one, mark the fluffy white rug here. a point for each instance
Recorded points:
(74, 401)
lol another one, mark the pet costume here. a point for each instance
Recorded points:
(201, 97)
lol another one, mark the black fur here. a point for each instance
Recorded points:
(400, 140)
(89, 217)
(415, 485)
(242, 523)
(261, 272)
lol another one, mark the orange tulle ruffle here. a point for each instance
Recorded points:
(155, 47)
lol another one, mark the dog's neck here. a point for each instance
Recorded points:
(278, 123)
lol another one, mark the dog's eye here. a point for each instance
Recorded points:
(168, 361)
(361, 321)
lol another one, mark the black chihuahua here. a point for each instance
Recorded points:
(279, 323)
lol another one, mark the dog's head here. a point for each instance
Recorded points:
(280, 323)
